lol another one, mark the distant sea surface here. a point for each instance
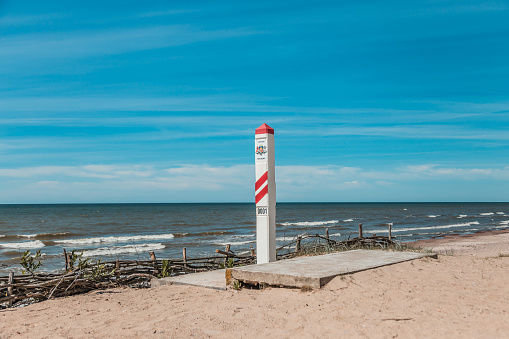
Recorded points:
(129, 231)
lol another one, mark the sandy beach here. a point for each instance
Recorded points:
(462, 294)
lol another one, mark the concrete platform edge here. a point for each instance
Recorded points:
(293, 281)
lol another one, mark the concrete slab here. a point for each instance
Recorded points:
(316, 271)
(211, 279)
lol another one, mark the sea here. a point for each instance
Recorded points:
(129, 231)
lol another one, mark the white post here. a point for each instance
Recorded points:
(265, 195)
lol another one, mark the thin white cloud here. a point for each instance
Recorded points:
(438, 172)
(206, 183)
(100, 103)
(29, 20)
(80, 44)
(444, 8)
(88, 171)
(429, 131)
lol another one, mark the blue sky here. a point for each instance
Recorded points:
(157, 101)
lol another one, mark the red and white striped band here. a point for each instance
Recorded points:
(259, 183)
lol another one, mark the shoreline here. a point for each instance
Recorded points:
(454, 296)
(436, 243)
(127, 231)
(481, 244)
(433, 242)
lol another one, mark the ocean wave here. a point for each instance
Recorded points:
(500, 212)
(85, 241)
(244, 236)
(286, 238)
(110, 223)
(38, 236)
(142, 248)
(235, 243)
(211, 233)
(27, 235)
(310, 223)
(433, 216)
(504, 222)
(395, 230)
(45, 235)
(180, 235)
(461, 216)
(334, 235)
(488, 213)
(10, 254)
(25, 244)
(347, 220)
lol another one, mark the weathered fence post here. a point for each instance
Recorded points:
(360, 230)
(154, 259)
(390, 231)
(227, 250)
(117, 269)
(66, 260)
(9, 289)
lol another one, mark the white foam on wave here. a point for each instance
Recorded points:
(500, 212)
(405, 209)
(40, 234)
(334, 235)
(433, 216)
(244, 236)
(504, 222)
(25, 244)
(286, 238)
(310, 223)
(425, 228)
(141, 248)
(489, 213)
(28, 235)
(235, 243)
(347, 220)
(85, 241)
(461, 216)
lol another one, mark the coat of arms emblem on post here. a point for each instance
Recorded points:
(261, 150)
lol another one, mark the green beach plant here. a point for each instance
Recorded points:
(98, 271)
(228, 263)
(76, 261)
(31, 262)
(237, 285)
(166, 269)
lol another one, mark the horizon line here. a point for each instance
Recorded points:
(281, 202)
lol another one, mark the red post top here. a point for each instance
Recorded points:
(264, 129)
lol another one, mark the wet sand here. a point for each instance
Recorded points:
(463, 295)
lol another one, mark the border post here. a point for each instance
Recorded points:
(265, 195)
